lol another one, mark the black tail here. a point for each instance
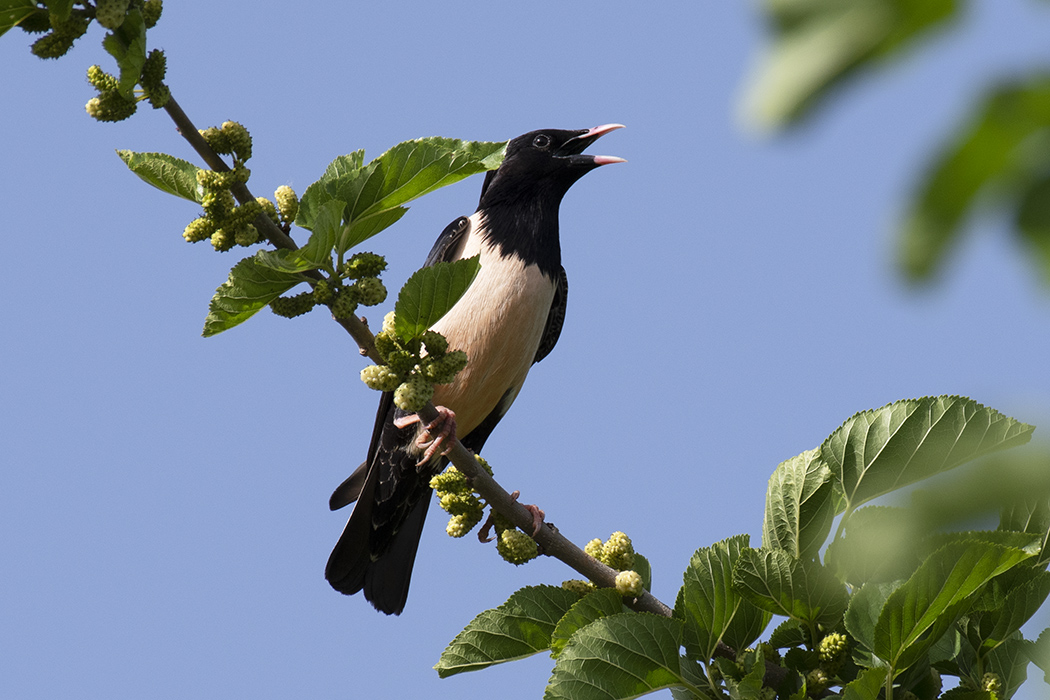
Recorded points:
(384, 578)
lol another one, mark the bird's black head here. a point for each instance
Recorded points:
(544, 164)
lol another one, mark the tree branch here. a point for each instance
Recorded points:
(553, 543)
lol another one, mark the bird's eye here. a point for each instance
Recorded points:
(542, 141)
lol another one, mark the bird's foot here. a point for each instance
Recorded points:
(490, 522)
(537, 514)
(437, 436)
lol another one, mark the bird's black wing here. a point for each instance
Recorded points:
(448, 242)
(555, 318)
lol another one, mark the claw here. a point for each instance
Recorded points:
(537, 514)
(436, 437)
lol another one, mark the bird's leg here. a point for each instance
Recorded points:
(537, 514)
(437, 436)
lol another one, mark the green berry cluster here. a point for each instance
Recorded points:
(226, 223)
(342, 299)
(419, 363)
(629, 584)
(617, 552)
(293, 306)
(110, 13)
(516, 547)
(992, 683)
(60, 33)
(458, 499)
(817, 681)
(833, 647)
(112, 105)
(229, 139)
(288, 205)
(152, 79)
(579, 586)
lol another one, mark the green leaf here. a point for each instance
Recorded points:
(127, 44)
(710, 608)
(600, 603)
(749, 687)
(362, 229)
(14, 11)
(318, 193)
(1001, 146)
(1039, 653)
(799, 506)
(429, 293)
(643, 569)
(283, 260)
(818, 45)
(249, 288)
(376, 193)
(620, 656)
(1020, 603)
(520, 627)
(1010, 662)
(788, 633)
(60, 10)
(866, 685)
(803, 590)
(863, 612)
(328, 227)
(921, 610)
(878, 451)
(166, 173)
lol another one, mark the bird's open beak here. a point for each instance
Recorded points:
(573, 148)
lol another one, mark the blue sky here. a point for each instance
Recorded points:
(732, 301)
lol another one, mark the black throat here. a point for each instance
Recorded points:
(525, 226)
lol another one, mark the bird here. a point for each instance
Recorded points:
(508, 319)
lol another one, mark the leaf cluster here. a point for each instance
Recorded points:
(891, 605)
(350, 203)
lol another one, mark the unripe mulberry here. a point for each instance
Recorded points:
(629, 584)
(151, 11)
(436, 343)
(101, 80)
(443, 370)
(246, 235)
(345, 304)
(833, 646)
(516, 547)
(594, 548)
(222, 240)
(388, 323)
(268, 208)
(385, 344)
(413, 394)
(240, 139)
(199, 229)
(578, 586)
(110, 13)
(110, 107)
(287, 202)
(364, 265)
(401, 362)
(323, 292)
(216, 140)
(380, 378)
(618, 552)
(370, 291)
(293, 306)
